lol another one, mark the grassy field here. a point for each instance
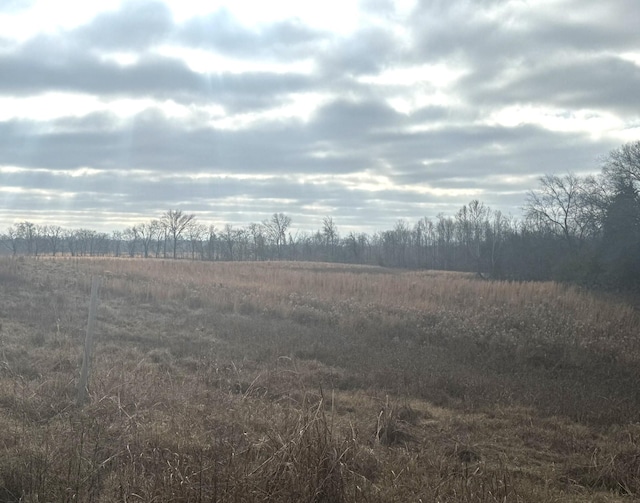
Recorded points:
(290, 382)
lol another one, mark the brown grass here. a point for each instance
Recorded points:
(313, 382)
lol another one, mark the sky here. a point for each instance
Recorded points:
(113, 112)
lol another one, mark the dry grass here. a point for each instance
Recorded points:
(313, 382)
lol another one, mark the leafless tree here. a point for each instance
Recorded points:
(12, 239)
(159, 231)
(445, 231)
(277, 228)
(556, 204)
(330, 233)
(29, 233)
(176, 222)
(497, 232)
(195, 233)
(243, 240)
(71, 239)
(229, 237)
(256, 231)
(622, 165)
(116, 241)
(54, 235)
(146, 233)
(212, 239)
(130, 236)
(478, 215)
(596, 195)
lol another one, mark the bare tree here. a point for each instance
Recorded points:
(100, 244)
(596, 195)
(498, 228)
(424, 241)
(12, 239)
(54, 235)
(445, 230)
(277, 228)
(116, 241)
(160, 235)
(256, 231)
(176, 222)
(71, 238)
(86, 240)
(622, 165)
(229, 236)
(146, 233)
(478, 214)
(401, 241)
(28, 232)
(130, 236)
(330, 233)
(195, 233)
(295, 245)
(352, 249)
(556, 204)
(212, 239)
(242, 237)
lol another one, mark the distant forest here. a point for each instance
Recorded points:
(580, 229)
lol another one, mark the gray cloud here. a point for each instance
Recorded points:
(137, 25)
(365, 52)
(434, 159)
(457, 158)
(534, 51)
(39, 67)
(605, 82)
(153, 76)
(346, 120)
(221, 31)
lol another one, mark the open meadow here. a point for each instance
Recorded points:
(309, 382)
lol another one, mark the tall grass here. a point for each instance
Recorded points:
(312, 382)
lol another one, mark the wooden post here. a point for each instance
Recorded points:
(88, 344)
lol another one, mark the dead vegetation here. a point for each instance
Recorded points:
(313, 382)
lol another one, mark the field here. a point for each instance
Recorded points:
(287, 382)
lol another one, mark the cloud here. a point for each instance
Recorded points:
(601, 82)
(365, 52)
(525, 40)
(157, 77)
(346, 120)
(222, 32)
(414, 111)
(138, 25)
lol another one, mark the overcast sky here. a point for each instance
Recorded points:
(112, 112)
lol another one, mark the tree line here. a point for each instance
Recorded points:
(577, 228)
